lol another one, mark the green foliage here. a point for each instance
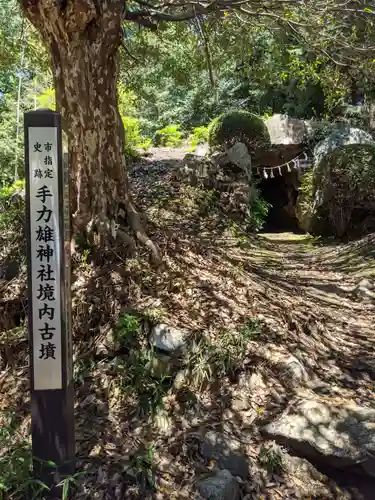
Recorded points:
(258, 212)
(11, 210)
(47, 99)
(127, 327)
(16, 480)
(144, 376)
(207, 201)
(208, 359)
(198, 136)
(271, 458)
(133, 137)
(143, 466)
(237, 126)
(11, 152)
(169, 136)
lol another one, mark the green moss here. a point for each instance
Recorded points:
(237, 126)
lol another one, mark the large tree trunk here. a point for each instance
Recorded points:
(85, 82)
(84, 37)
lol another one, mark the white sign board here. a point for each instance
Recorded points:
(45, 259)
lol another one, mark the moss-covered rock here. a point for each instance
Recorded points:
(337, 197)
(238, 126)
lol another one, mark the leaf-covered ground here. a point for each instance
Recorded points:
(250, 303)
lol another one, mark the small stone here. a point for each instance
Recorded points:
(181, 379)
(240, 403)
(295, 369)
(253, 382)
(221, 486)
(168, 339)
(115, 480)
(227, 452)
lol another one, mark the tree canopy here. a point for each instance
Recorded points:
(306, 59)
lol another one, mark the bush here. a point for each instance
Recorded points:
(258, 212)
(169, 136)
(237, 126)
(133, 137)
(198, 136)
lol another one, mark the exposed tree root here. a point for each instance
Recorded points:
(134, 221)
(100, 230)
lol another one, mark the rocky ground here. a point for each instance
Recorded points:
(260, 384)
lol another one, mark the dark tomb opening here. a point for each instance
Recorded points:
(281, 193)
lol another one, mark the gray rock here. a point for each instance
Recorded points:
(221, 486)
(168, 339)
(343, 136)
(321, 209)
(226, 451)
(285, 130)
(219, 159)
(252, 382)
(334, 434)
(239, 155)
(197, 169)
(240, 403)
(295, 370)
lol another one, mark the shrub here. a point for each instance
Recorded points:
(198, 136)
(237, 126)
(133, 136)
(169, 136)
(258, 212)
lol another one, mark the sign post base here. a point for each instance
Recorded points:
(52, 428)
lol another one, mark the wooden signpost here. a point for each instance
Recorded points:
(49, 301)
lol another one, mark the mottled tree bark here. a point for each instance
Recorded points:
(83, 37)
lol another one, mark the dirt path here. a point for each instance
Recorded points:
(316, 299)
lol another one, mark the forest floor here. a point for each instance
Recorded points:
(288, 295)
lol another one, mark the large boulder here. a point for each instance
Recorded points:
(337, 196)
(339, 139)
(328, 432)
(285, 130)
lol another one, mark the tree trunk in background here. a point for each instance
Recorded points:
(84, 37)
